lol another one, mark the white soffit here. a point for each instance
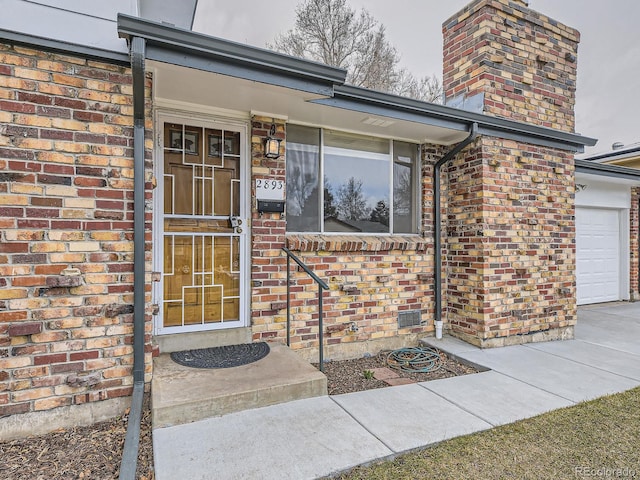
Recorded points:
(197, 87)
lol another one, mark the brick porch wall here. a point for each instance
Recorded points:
(634, 244)
(267, 239)
(66, 231)
(371, 278)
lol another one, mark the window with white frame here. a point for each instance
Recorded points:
(343, 182)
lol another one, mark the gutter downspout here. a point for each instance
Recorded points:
(437, 231)
(130, 452)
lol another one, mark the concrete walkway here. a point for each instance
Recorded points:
(316, 437)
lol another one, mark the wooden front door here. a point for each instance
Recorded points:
(203, 230)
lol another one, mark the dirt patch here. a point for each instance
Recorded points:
(92, 452)
(346, 376)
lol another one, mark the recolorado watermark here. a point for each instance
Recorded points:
(604, 472)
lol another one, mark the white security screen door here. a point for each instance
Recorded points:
(204, 233)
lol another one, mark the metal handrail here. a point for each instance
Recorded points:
(322, 285)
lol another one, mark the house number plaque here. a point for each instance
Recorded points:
(269, 189)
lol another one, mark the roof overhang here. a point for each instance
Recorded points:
(402, 108)
(615, 156)
(614, 173)
(317, 92)
(441, 124)
(180, 88)
(53, 45)
(177, 46)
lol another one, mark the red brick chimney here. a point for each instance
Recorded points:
(512, 62)
(510, 249)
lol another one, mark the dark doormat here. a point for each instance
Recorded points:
(222, 357)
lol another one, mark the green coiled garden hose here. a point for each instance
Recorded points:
(415, 359)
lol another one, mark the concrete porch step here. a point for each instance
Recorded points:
(182, 394)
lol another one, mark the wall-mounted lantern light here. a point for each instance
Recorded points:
(272, 145)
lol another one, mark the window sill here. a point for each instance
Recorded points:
(314, 242)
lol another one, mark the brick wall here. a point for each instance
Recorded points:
(510, 257)
(635, 244)
(66, 231)
(510, 239)
(267, 239)
(371, 278)
(522, 61)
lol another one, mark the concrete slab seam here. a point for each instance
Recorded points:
(606, 306)
(460, 357)
(362, 425)
(534, 386)
(468, 363)
(610, 309)
(585, 364)
(458, 405)
(609, 347)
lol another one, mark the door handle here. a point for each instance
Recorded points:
(236, 223)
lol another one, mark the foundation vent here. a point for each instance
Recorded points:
(408, 318)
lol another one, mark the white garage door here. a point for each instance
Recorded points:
(597, 255)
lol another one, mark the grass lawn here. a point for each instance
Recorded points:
(598, 439)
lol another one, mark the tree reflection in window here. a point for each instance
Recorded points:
(303, 171)
(404, 187)
(365, 179)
